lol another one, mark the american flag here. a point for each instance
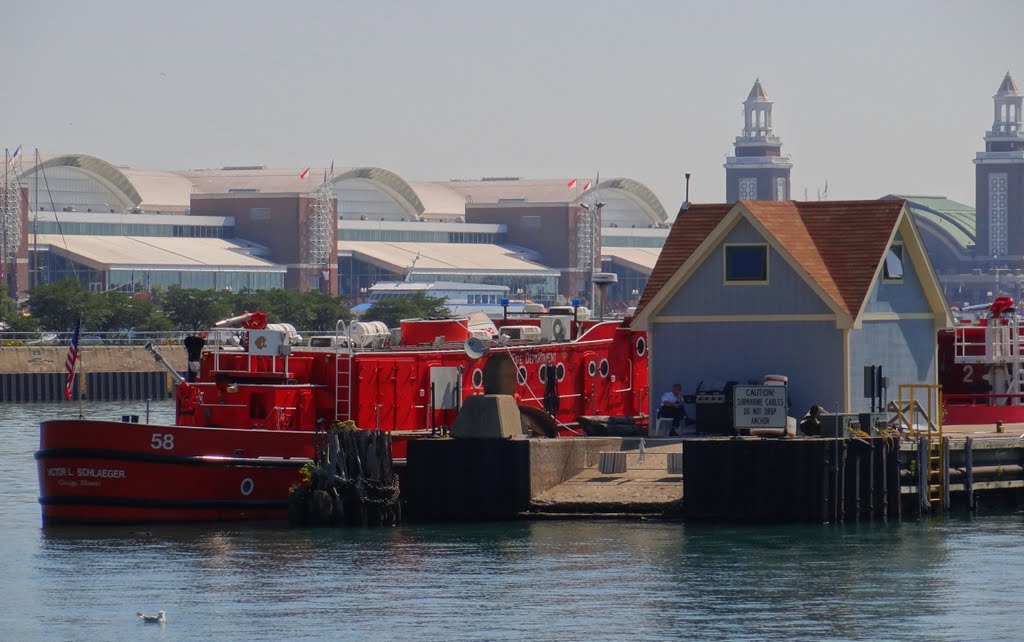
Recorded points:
(72, 360)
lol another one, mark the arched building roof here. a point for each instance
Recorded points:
(948, 229)
(371, 193)
(120, 188)
(635, 192)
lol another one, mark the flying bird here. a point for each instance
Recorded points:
(159, 618)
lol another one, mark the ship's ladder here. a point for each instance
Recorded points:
(342, 372)
(925, 420)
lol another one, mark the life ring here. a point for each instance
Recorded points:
(558, 328)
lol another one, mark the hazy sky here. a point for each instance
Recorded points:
(874, 97)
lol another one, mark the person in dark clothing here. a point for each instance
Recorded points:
(194, 344)
(672, 407)
(811, 423)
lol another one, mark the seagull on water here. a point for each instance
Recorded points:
(159, 618)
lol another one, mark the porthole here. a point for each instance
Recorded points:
(641, 347)
(542, 373)
(592, 369)
(521, 375)
(604, 367)
(560, 371)
(247, 486)
(478, 378)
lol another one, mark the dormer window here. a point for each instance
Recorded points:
(893, 269)
(746, 264)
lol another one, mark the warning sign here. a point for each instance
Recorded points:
(759, 407)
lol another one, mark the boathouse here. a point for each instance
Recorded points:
(814, 291)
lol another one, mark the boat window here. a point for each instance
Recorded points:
(521, 375)
(746, 264)
(894, 263)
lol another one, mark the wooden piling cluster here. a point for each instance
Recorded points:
(791, 480)
(350, 482)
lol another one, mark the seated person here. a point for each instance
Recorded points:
(810, 425)
(672, 408)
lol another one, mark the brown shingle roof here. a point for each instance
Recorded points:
(838, 243)
(688, 231)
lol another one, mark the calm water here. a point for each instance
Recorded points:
(939, 580)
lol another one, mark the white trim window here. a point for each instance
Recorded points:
(892, 270)
(745, 263)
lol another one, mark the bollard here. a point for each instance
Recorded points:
(999, 426)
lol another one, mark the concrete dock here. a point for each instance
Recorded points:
(645, 488)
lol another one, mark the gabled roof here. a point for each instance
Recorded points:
(688, 231)
(1008, 87)
(839, 245)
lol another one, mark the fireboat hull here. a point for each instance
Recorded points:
(111, 472)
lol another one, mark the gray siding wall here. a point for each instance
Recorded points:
(904, 349)
(810, 353)
(904, 297)
(704, 292)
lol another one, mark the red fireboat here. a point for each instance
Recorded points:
(981, 365)
(245, 427)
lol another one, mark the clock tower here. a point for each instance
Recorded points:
(758, 171)
(999, 184)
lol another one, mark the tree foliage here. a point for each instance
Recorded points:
(304, 310)
(57, 306)
(415, 306)
(11, 319)
(192, 310)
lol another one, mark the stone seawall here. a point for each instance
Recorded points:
(49, 359)
(30, 374)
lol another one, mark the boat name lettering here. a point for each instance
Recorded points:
(105, 473)
(162, 441)
(83, 473)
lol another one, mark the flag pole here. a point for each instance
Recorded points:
(81, 384)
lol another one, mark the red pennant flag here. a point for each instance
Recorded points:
(586, 187)
(304, 174)
(571, 184)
